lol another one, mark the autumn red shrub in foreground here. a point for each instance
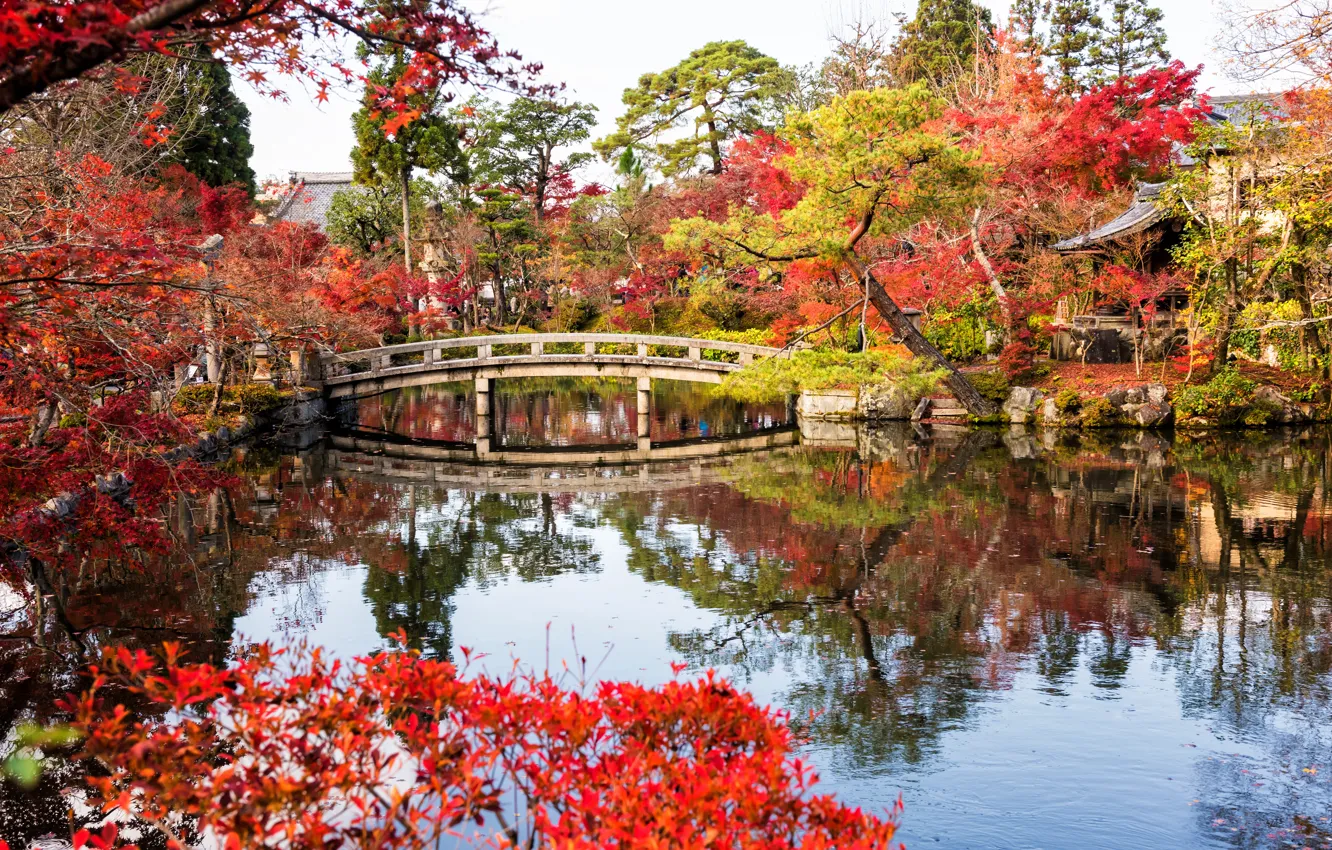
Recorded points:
(399, 751)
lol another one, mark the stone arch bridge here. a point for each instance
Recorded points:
(485, 359)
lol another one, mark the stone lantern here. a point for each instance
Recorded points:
(262, 364)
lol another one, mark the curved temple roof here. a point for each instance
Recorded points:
(310, 195)
(1143, 213)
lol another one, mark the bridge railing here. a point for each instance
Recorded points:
(643, 346)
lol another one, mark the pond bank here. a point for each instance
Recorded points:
(1228, 401)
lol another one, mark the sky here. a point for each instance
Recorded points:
(597, 48)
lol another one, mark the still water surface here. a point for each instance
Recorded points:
(1099, 642)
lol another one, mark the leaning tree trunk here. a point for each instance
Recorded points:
(917, 344)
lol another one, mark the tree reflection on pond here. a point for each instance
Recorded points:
(1014, 632)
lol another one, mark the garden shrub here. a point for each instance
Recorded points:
(1017, 360)
(250, 399)
(994, 386)
(1099, 413)
(1068, 402)
(960, 336)
(194, 398)
(1227, 399)
(775, 378)
(255, 399)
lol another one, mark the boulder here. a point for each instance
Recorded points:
(1117, 396)
(1157, 393)
(1135, 395)
(1284, 410)
(1050, 412)
(1022, 404)
(1150, 415)
(886, 402)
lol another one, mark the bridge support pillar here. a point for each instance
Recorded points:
(644, 408)
(485, 422)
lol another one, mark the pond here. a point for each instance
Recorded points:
(1091, 641)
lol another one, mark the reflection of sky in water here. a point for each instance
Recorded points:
(1106, 751)
(1091, 642)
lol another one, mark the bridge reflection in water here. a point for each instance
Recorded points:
(559, 421)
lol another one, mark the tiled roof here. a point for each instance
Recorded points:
(1143, 213)
(310, 195)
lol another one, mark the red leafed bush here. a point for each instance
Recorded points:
(399, 751)
(1016, 359)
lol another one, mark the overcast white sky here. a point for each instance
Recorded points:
(600, 47)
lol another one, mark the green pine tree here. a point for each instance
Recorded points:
(430, 142)
(1132, 41)
(217, 148)
(1074, 35)
(723, 89)
(1024, 22)
(939, 43)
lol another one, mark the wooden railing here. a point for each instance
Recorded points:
(437, 352)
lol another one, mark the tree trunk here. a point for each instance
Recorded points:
(917, 344)
(42, 419)
(1314, 350)
(1225, 323)
(406, 220)
(996, 286)
(715, 145)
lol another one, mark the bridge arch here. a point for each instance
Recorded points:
(372, 371)
(483, 360)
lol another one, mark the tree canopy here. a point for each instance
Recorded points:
(686, 114)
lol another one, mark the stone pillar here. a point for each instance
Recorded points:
(428, 357)
(538, 349)
(485, 422)
(644, 408)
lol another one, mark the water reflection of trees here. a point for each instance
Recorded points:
(903, 587)
(562, 412)
(902, 584)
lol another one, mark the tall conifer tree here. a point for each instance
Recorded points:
(389, 150)
(1132, 40)
(217, 147)
(1074, 37)
(940, 42)
(1024, 21)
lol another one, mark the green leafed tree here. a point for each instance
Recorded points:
(873, 166)
(686, 114)
(939, 43)
(217, 148)
(509, 245)
(1132, 40)
(391, 147)
(1073, 41)
(518, 144)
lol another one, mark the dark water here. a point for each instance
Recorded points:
(1105, 642)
